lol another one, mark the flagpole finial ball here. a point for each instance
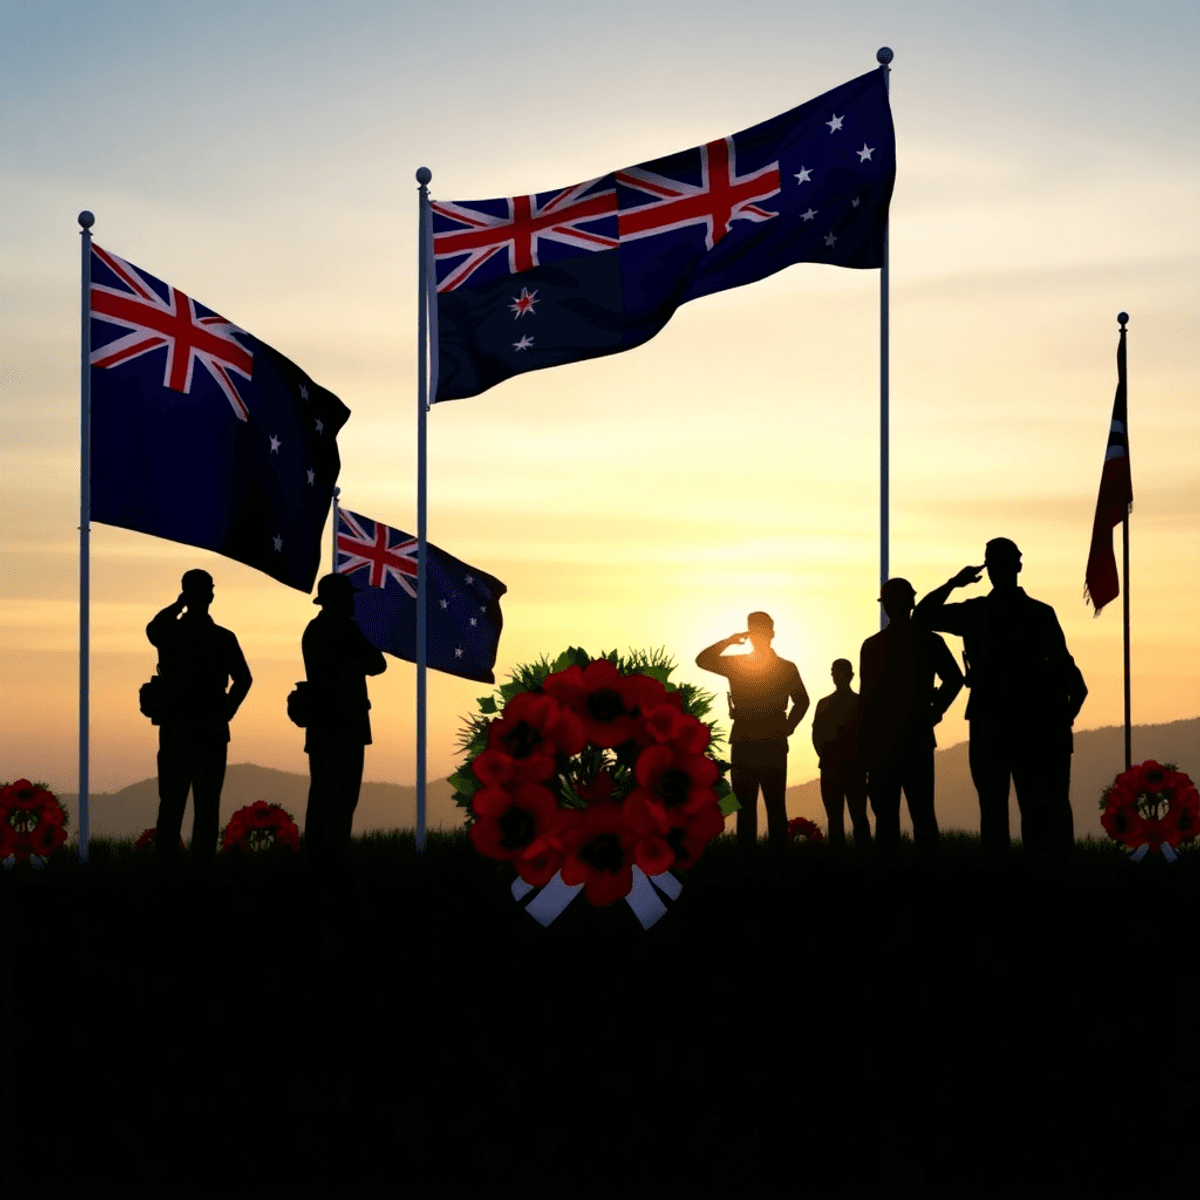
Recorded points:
(1123, 318)
(884, 55)
(424, 175)
(86, 219)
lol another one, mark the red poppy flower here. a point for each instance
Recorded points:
(690, 833)
(802, 827)
(496, 767)
(654, 855)
(669, 724)
(8, 839)
(606, 702)
(533, 723)
(599, 853)
(46, 839)
(1123, 823)
(668, 780)
(510, 822)
(1151, 776)
(600, 788)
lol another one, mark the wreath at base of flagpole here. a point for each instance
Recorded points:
(33, 824)
(593, 776)
(1151, 809)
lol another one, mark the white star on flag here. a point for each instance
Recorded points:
(855, 202)
(523, 303)
(320, 425)
(808, 216)
(278, 544)
(312, 475)
(458, 652)
(830, 239)
(803, 175)
(835, 124)
(469, 579)
(474, 622)
(523, 344)
(865, 152)
(275, 444)
(444, 603)
(303, 392)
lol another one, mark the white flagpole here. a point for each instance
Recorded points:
(86, 221)
(884, 57)
(424, 175)
(337, 491)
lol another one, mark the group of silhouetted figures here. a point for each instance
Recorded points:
(198, 661)
(1025, 694)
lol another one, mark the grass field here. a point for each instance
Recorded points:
(797, 1025)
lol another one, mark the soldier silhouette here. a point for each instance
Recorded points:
(843, 780)
(196, 660)
(1026, 692)
(760, 684)
(337, 660)
(900, 707)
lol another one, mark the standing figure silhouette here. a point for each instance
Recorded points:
(1026, 692)
(337, 660)
(196, 660)
(760, 684)
(843, 780)
(900, 708)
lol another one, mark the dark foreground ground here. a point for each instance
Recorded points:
(796, 1026)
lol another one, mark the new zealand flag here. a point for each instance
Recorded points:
(201, 433)
(463, 622)
(534, 281)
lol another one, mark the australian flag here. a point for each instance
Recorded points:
(201, 433)
(600, 267)
(463, 622)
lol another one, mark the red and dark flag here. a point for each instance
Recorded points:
(1115, 499)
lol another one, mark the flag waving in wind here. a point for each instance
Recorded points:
(534, 281)
(463, 605)
(201, 433)
(1115, 498)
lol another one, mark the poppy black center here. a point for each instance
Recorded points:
(516, 828)
(1121, 822)
(673, 787)
(522, 740)
(604, 705)
(604, 852)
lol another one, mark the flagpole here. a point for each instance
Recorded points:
(86, 221)
(424, 175)
(1123, 320)
(337, 491)
(884, 56)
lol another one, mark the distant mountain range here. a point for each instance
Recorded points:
(1099, 755)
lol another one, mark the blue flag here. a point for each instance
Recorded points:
(201, 433)
(464, 620)
(534, 281)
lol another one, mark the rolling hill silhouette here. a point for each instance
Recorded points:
(1099, 755)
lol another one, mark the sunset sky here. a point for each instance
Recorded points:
(260, 157)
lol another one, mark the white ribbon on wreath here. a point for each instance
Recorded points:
(553, 899)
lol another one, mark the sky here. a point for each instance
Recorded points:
(260, 156)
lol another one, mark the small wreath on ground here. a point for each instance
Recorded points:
(147, 842)
(1151, 808)
(801, 829)
(595, 774)
(33, 823)
(260, 828)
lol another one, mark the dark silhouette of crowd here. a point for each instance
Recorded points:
(874, 746)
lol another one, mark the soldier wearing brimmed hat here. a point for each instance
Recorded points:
(900, 707)
(760, 685)
(1026, 692)
(337, 660)
(197, 660)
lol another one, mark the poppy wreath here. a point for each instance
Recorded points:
(1151, 805)
(33, 822)
(260, 828)
(147, 843)
(802, 829)
(587, 768)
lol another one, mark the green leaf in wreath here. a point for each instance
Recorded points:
(729, 805)
(466, 785)
(487, 704)
(509, 690)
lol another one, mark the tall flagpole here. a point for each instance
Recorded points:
(86, 221)
(1123, 320)
(337, 491)
(884, 56)
(424, 175)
